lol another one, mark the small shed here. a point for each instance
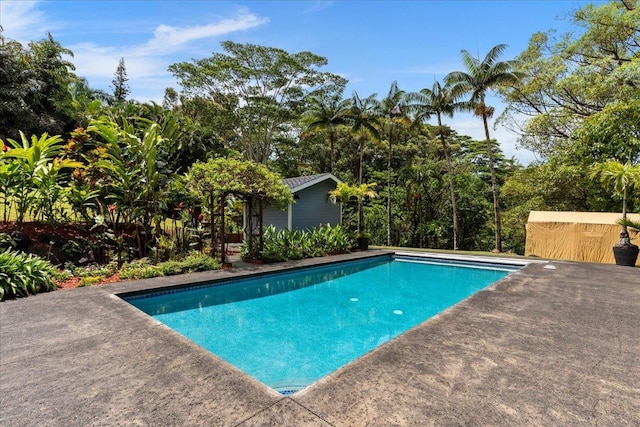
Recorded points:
(576, 236)
(311, 206)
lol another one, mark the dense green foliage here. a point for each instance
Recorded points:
(144, 268)
(285, 245)
(122, 166)
(34, 89)
(22, 275)
(567, 79)
(266, 85)
(240, 177)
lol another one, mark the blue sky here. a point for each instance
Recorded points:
(371, 43)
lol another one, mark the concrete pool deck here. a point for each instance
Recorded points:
(554, 343)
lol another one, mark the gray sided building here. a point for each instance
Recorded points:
(311, 206)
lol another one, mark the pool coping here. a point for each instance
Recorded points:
(534, 348)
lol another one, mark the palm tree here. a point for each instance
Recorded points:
(325, 113)
(438, 101)
(362, 192)
(391, 108)
(480, 77)
(622, 177)
(363, 118)
(344, 193)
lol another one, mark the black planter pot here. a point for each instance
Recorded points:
(363, 243)
(625, 255)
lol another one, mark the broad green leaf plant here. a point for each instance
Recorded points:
(33, 167)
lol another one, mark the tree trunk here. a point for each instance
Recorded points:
(361, 216)
(494, 184)
(360, 158)
(389, 183)
(451, 186)
(331, 137)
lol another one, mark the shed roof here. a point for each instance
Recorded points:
(578, 217)
(301, 182)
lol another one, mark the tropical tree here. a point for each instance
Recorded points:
(622, 178)
(268, 83)
(364, 119)
(391, 107)
(479, 78)
(343, 194)
(361, 192)
(325, 113)
(439, 101)
(614, 133)
(208, 126)
(570, 77)
(120, 87)
(34, 96)
(36, 173)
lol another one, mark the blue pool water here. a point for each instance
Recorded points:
(291, 329)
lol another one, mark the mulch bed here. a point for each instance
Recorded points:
(69, 231)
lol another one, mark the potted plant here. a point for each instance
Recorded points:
(626, 256)
(623, 177)
(614, 133)
(363, 241)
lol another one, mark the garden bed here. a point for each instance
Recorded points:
(40, 236)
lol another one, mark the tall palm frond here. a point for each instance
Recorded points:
(480, 77)
(439, 101)
(324, 114)
(364, 120)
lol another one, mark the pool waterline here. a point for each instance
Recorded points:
(284, 319)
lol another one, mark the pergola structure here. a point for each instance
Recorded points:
(219, 178)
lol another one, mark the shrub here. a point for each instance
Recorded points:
(197, 261)
(289, 245)
(143, 269)
(22, 275)
(93, 274)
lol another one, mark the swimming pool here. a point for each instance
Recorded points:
(290, 329)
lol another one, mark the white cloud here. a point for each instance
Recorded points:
(167, 38)
(147, 63)
(317, 6)
(21, 19)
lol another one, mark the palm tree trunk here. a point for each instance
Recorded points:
(360, 159)
(624, 231)
(452, 189)
(331, 137)
(361, 216)
(389, 184)
(494, 185)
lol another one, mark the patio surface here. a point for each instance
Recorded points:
(544, 346)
